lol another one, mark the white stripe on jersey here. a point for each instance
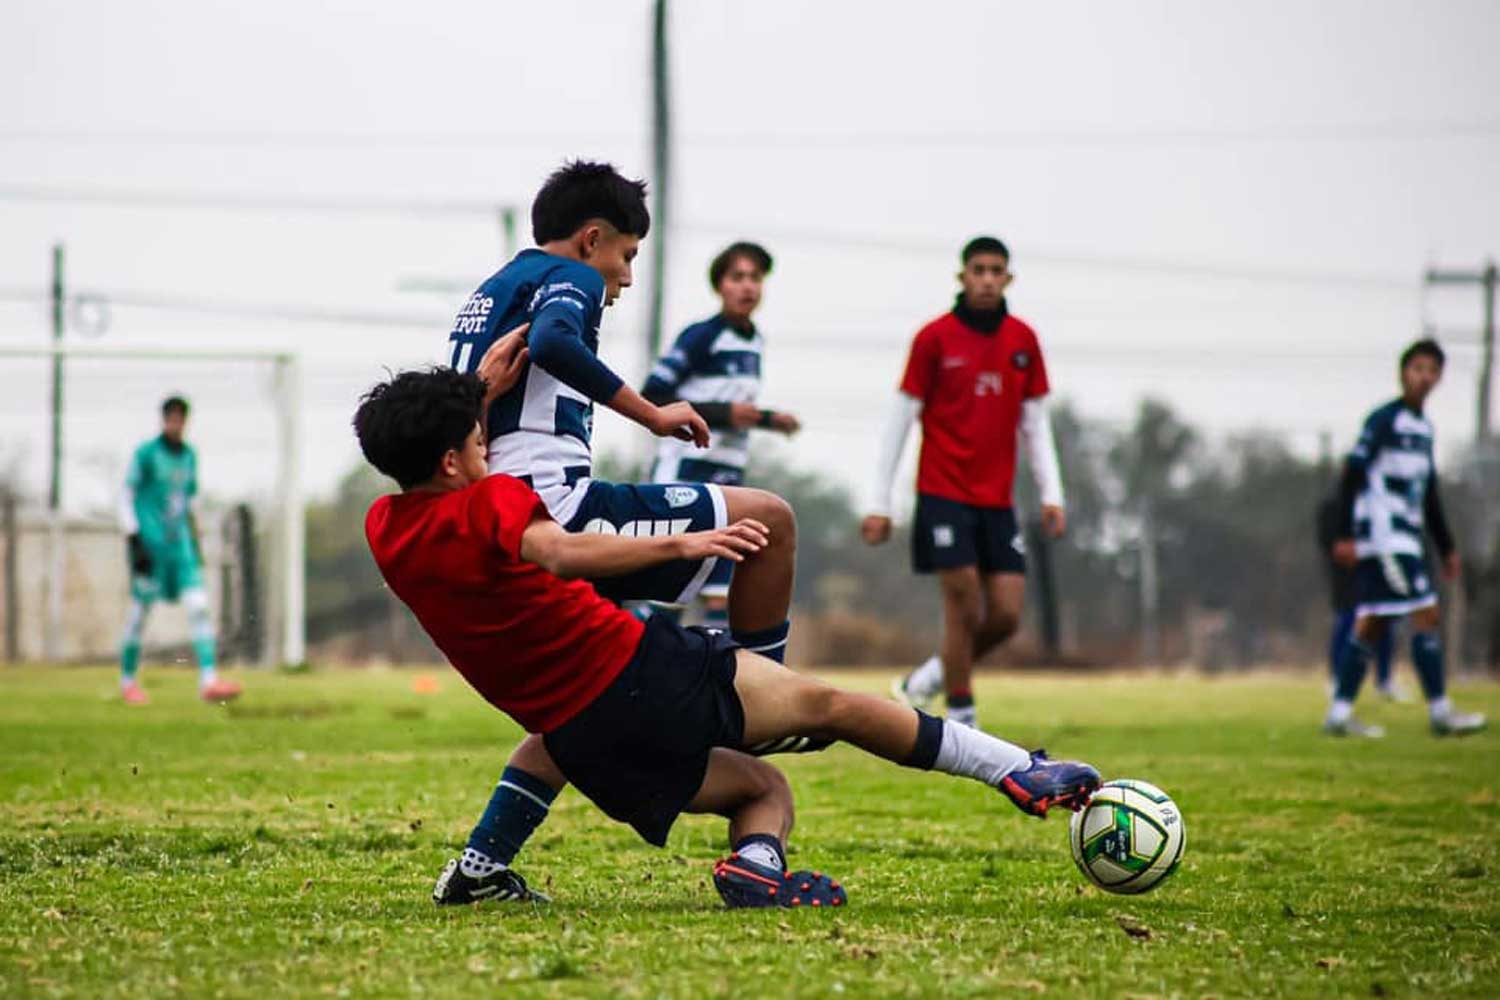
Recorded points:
(726, 447)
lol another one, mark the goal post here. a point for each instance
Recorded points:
(285, 609)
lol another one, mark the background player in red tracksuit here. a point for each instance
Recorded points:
(977, 379)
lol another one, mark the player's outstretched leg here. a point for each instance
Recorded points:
(518, 806)
(757, 801)
(779, 702)
(1427, 657)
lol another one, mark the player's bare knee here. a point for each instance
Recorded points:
(996, 629)
(769, 509)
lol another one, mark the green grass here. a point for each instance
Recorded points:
(287, 846)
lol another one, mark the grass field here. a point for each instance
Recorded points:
(287, 845)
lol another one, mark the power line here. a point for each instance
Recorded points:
(243, 310)
(245, 203)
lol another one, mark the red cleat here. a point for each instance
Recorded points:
(134, 694)
(217, 692)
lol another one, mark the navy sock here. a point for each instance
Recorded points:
(960, 699)
(1343, 628)
(1427, 657)
(716, 618)
(924, 753)
(516, 809)
(1353, 661)
(1384, 652)
(769, 642)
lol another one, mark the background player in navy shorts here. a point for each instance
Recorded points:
(646, 720)
(977, 378)
(717, 365)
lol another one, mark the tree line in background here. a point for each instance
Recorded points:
(1178, 551)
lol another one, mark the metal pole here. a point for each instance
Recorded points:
(1487, 366)
(508, 229)
(293, 542)
(1150, 596)
(52, 634)
(661, 169)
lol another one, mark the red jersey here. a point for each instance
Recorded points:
(971, 385)
(537, 647)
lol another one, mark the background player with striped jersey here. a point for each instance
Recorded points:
(976, 378)
(166, 562)
(716, 365)
(1388, 497)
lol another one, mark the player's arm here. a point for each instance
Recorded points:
(900, 415)
(665, 382)
(1351, 481)
(130, 526)
(1041, 451)
(1436, 520)
(591, 556)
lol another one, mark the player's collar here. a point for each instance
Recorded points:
(747, 331)
(979, 320)
(174, 447)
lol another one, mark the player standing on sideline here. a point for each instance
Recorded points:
(165, 558)
(1342, 597)
(976, 377)
(1388, 495)
(716, 365)
(645, 719)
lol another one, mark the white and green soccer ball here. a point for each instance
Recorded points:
(1129, 837)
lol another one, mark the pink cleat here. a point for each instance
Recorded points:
(133, 694)
(218, 691)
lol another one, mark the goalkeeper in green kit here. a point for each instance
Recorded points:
(166, 563)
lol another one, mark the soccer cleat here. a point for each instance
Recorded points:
(902, 691)
(745, 884)
(1458, 724)
(1353, 727)
(454, 888)
(217, 692)
(1047, 783)
(134, 694)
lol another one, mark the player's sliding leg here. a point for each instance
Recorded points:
(517, 807)
(1353, 661)
(1427, 657)
(211, 687)
(778, 702)
(757, 801)
(130, 651)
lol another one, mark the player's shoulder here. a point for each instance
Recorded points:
(700, 335)
(556, 274)
(1022, 328)
(1383, 416)
(937, 327)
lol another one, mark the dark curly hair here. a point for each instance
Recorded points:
(581, 190)
(406, 424)
(1426, 346)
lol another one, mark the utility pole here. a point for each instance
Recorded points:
(508, 229)
(52, 634)
(1487, 278)
(661, 171)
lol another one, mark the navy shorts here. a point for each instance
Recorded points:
(1392, 585)
(652, 509)
(640, 750)
(947, 534)
(696, 470)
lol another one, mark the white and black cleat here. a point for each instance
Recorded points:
(1458, 724)
(1353, 727)
(454, 888)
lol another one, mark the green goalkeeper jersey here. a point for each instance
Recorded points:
(162, 482)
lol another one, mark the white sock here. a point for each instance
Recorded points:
(973, 754)
(477, 864)
(761, 853)
(207, 677)
(926, 680)
(1340, 711)
(1439, 708)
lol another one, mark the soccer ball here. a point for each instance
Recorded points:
(1129, 837)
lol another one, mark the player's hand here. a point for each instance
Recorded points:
(875, 529)
(743, 415)
(743, 538)
(1451, 566)
(786, 423)
(1343, 552)
(1054, 520)
(140, 556)
(502, 364)
(681, 421)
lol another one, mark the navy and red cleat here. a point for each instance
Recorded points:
(746, 884)
(1047, 783)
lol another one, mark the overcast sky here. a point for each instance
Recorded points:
(1226, 205)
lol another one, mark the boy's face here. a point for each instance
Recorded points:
(984, 278)
(611, 253)
(173, 423)
(469, 464)
(1420, 376)
(740, 287)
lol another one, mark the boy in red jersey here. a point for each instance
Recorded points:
(646, 720)
(976, 377)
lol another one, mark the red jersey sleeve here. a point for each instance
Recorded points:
(921, 365)
(502, 510)
(1036, 373)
